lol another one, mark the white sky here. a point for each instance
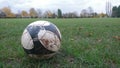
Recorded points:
(53, 5)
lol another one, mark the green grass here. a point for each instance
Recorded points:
(86, 43)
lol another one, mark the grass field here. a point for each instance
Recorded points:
(86, 43)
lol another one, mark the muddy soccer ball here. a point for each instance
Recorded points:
(41, 39)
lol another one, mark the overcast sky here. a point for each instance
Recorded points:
(53, 5)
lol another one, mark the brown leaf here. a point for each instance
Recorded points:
(89, 34)
(116, 37)
(80, 28)
(99, 40)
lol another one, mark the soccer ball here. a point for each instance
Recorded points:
(41, 39)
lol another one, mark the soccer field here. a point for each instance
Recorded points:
(86, 43)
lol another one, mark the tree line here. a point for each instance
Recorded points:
(116, 11)
(6, 12)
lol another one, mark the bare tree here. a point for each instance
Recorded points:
(18, 14)
(70, 15)
(90, 12)
(109, 9)
(84, 13)
(39, 13)
(48, 14)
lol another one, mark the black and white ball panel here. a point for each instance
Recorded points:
(53, 29)
(26, 40)
(47, 26)
(41, 37)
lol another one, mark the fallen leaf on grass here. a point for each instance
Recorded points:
(80, 28)
(89, 34)
(99, 40)
(72, 39)
(116, 37)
